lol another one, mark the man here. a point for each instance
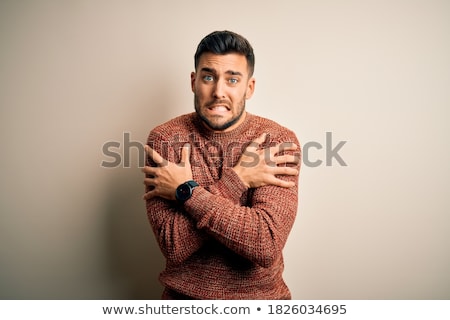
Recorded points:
(222, 184)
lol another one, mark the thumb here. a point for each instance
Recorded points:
(258, 141)
(185, 154)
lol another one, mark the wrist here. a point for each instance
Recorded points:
(184, 191)
(240, 173)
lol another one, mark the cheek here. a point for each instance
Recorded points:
(201, 90)
(240, 94)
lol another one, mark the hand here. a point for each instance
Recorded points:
(258, 167)
(164, 179)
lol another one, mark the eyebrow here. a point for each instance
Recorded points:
(232, 72)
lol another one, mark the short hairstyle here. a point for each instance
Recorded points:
(224, 42)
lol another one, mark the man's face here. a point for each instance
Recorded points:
(221, 84)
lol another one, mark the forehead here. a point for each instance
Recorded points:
(223, 62)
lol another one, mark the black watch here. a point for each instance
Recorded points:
(184, 190)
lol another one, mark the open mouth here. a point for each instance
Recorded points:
(219, 108)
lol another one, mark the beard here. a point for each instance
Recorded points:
(214, 122)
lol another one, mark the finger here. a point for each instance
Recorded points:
(152, 154)
(284, 146)
(149, 182)
(257, 142)
(261, 138)
(287, 158)
(149, 195)
(281, 183)
(149, 170)
(185, 154)
(285, 184)
(284, 171)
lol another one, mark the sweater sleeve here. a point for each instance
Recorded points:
(228, 186)
(257, 231)
(176, 232)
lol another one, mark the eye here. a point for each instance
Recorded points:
(233, 81)
(208, 78)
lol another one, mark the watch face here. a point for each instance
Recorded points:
(183, 192)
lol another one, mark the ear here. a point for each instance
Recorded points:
(193, 75)
(250, 88)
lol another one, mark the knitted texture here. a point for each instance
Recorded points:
(226, 241)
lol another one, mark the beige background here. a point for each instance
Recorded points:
(77, 74)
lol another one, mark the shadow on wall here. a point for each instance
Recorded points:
(134, 257)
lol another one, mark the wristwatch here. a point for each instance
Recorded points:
(184, 190)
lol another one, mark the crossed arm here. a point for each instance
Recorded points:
(257, 231)
(166, 178)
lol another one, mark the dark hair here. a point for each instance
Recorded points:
(223, 42)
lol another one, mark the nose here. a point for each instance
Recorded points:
(219, 90)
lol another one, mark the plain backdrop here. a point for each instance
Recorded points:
(75, 75)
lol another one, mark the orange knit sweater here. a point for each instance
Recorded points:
(226, 241)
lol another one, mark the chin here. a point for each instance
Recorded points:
(222, 125)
